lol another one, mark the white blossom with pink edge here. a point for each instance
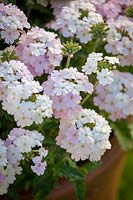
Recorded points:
(12, 22)
(117, 42)
(70, 21)
(22, 96)
(40, 50)
(64, 87)
(87, 136)
(116, 98)
(62, 82)
(20, 142)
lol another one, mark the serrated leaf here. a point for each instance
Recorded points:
(74, 175)
(89, 167)
(43, 185)
(71, 173)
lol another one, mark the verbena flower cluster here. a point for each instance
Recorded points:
(76, 19)
(85, 136)
(120, 39)
(43, 82)
(112, 8)
(19, 144)
(116, 98)
(120, 33)
(40, 50)
(12, 22)
(93, 65)
(21, 95)
(64, 88)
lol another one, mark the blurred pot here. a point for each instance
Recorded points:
(102, 183)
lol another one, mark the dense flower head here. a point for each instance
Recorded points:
(21, 95)
(120, 28)
(111, 8)
(116, 98)
(120, 39)
(86, 136)
(26, 111)
(14, 149)
(62, 82)
(76, 19)
(66, 106)
(13, 72)
(100, 65)
(12, 22)
(64, 87)
(40, 50)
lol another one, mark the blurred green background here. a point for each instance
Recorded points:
(126, 185)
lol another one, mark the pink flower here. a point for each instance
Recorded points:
(12, 22)
(109, 10)
(40, 50)
(116, 98)
(39, 166)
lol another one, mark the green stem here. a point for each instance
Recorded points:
(85, 99)
(88, 95)
(68, 60)
(96, 45)
(41, 126)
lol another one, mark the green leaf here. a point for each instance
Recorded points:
(72, 173)
(89, 167)
(80, 189)
(43, 185)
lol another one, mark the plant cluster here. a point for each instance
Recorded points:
(64, 86)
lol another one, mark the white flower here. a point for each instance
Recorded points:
(9, 35)
(92, 63)
(3, 157)
(116, 98)
(71, 23)
(122, 100)
(13, 154)
(96, 56)
(86, 136)
(12, 23)
(113, 36)
(112, 60)
(105, 77)
(13, 71)
(67, 81)
(90, 67)
(24, 144)
(15, 147)
(37, 49)
(10, 174)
